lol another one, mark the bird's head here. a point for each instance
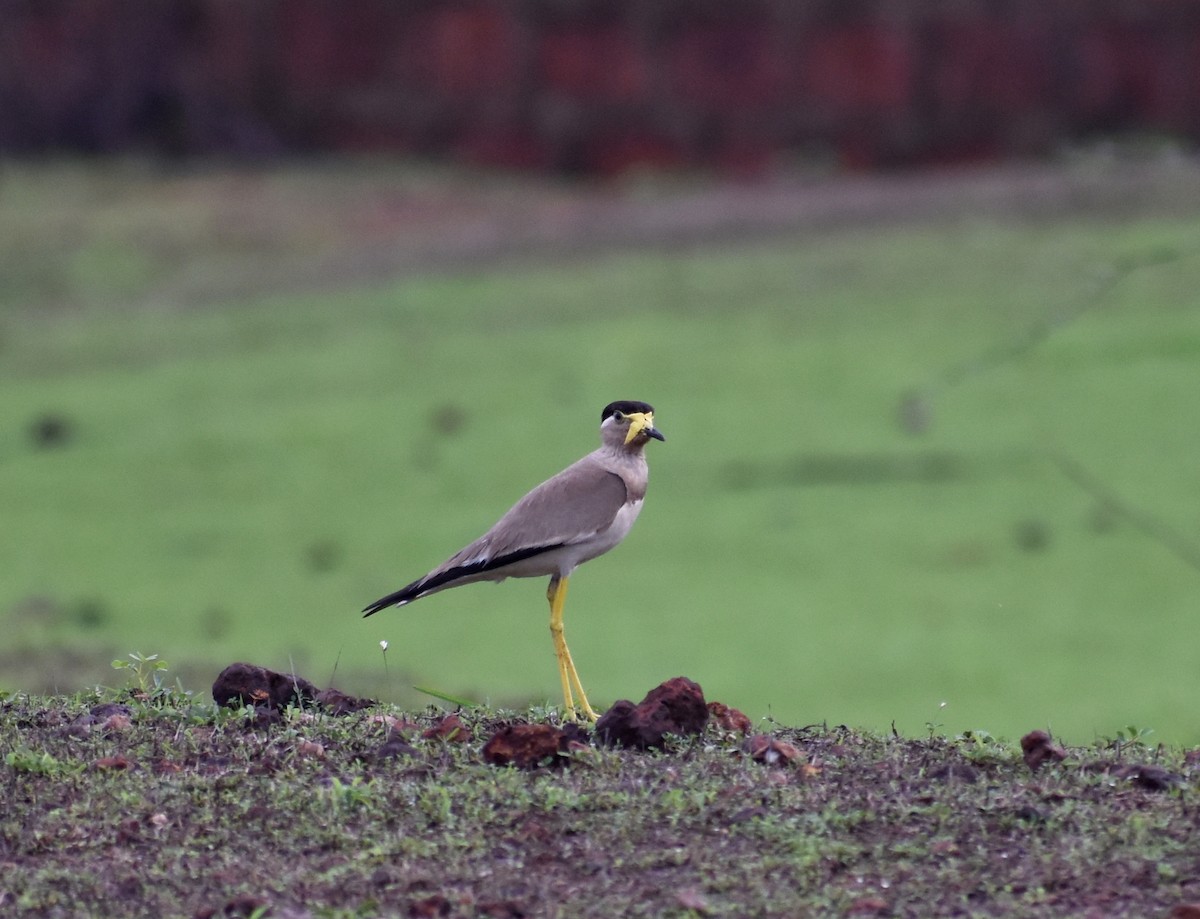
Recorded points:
(629, 422)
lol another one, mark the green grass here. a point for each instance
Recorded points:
(245, 476)
(171, 807)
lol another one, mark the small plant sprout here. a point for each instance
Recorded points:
(932, 725)
(978, 737)
(383, 645)
(1130, 736)
(145, 671)
(349, 795)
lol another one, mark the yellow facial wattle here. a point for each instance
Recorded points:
(638, 422)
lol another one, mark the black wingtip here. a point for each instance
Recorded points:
(442, 579)
(398, 598)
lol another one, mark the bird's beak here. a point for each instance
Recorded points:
(642, 423)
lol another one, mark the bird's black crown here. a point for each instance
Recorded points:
(626, 407)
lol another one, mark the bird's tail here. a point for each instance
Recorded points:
(396, 598)
(451, 575)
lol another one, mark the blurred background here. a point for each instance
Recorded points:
(297, 297)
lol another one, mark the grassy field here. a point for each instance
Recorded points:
(157, 805)
(931, 472)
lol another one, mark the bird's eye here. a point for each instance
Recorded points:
(618, 416)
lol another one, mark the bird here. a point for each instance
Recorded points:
(572, 517)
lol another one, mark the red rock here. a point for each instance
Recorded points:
(1039, 748)
(249, 684)
(728, 719)
(450, 729)
(528, 746)
(676, 707)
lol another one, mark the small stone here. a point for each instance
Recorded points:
(450, 729)
(728, 719)
(115, 724)
(762, 748)
(396, 745)
(1039, 748)
(337, 702)
(103, 714)
(1151, 778)
(528, 746)
(310, 749)
(393, 723)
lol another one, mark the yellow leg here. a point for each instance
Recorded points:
(560, 643)
(557, 595)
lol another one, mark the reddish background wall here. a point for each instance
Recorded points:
(578, 86)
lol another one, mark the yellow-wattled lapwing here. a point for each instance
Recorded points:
(569, 519)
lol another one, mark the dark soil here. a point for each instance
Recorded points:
(158, 803)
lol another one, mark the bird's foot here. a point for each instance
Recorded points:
(582, 712)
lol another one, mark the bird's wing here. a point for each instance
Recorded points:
(573, 506)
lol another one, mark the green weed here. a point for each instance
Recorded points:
(145, 672)
(33, 761)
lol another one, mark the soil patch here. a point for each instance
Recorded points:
(159, 803)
